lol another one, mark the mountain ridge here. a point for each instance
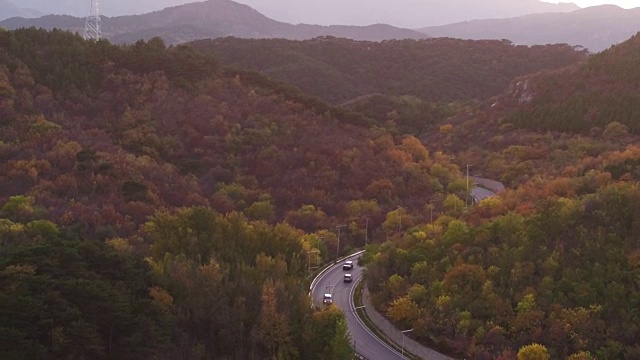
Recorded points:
(8, 9)
(212, 18)
(595, 28)
(330, 12)
(402, 13)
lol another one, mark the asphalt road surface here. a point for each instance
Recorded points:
(366, 344)
(480, 194)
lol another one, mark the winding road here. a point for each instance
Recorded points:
(331, 281)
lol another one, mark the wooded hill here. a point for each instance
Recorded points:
(145, 186)
(221, 180)
(267, 142)
(542, 260)
(339, 70)
(550, 267)
(582, 99)
(547, 121)
(555, 262)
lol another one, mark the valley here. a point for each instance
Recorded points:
(173, 194)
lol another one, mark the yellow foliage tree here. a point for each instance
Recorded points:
(398, 220)
(403, 311)
(413, 146)
(533, 352)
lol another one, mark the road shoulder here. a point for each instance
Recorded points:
(386, 327)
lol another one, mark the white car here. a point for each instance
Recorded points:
(348, 278)
(327, 299)
(348, 265)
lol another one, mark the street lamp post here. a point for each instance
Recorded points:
(316, 255)
(366, 232)
(467, 197)
(338, 247)
(430, 206)
(403, 332)
(355, 309)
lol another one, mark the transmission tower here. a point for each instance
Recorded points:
(92, 27)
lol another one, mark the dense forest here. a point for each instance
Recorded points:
(549, 267)
(402, 115)
(434, 70)
(546, 123)
(582, 99)
(127, 130)
(119, 235)
(157, 205)
(211, 286)
(554, 262)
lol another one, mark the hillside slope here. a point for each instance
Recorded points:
(144, 186)
(171, 128)
(338, 70)
(571, 200)
(544, 124)
(595, 28)
(588, 97)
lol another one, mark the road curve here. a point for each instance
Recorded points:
(485, 188)
(365, 343)
(480, 194)
(493, 185)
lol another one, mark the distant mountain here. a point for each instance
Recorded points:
(65, 22)
(9, 9)
(211, 19)
(595, 28)
(584, 98)
(402, 13)
(338, 70)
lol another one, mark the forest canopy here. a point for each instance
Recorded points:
(587, 98)
(145, 185)
(434, 70)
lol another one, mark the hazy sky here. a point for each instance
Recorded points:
(409, 13)
(403, 13)
(584, 3)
